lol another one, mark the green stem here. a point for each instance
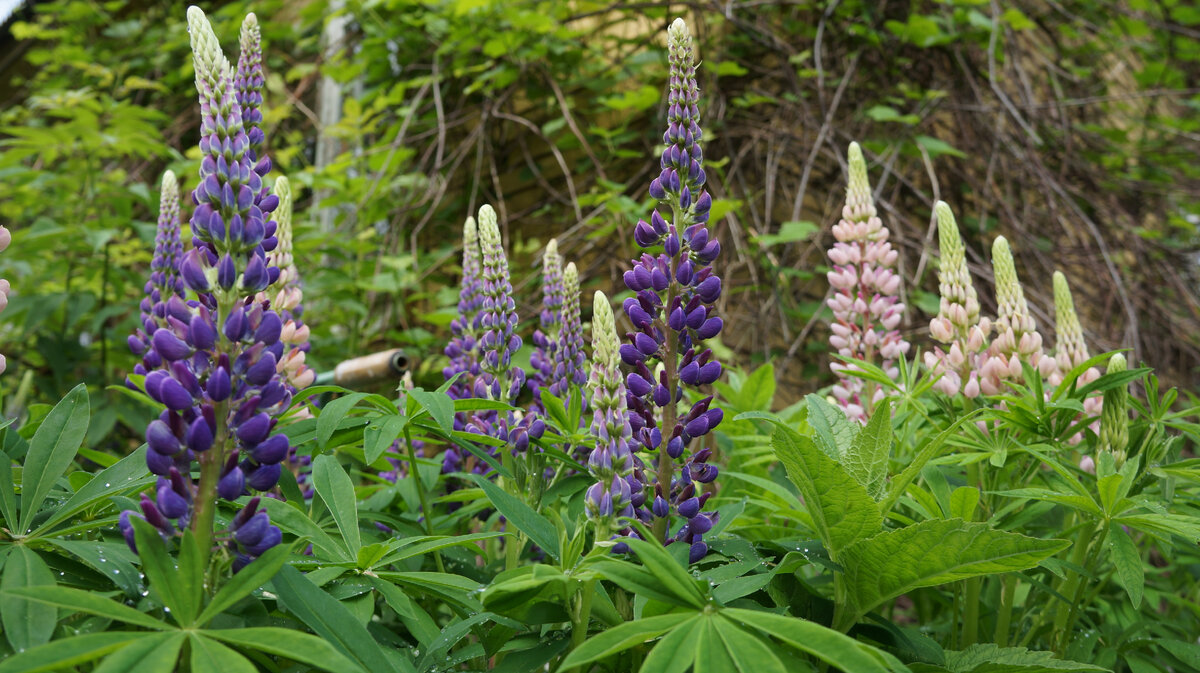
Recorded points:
(971, 587)
(212, 461)
(1070, 588)
(666, 464)
(422, 496)
(1008, 592)
(1077, 595)
(583, 614)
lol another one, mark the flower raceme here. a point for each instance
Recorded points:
(611, 462)
(672, 315)
(1016, 338)
(866, 304)
(219, 378)
(958, 325)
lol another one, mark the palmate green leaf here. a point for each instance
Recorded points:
(676, 651)
(337, 491)
(330, 620)
(625, 636)
(424, 545)
(160, 571)
(210, 655)
(671, 575)
(842, 511)
(866, 459)
(110, 559)
(928, 452)
(1164, 525)
(837, 649)
(711, 655)
(537, 527)
(70, 652)
(747, 651)
(78, 600)
(332, 415)
(51, 451)
(439, 406)
(1127, 560)
(1083, 503)
(934, 552)
(245, 581)
(991, 658)
(157, 653)
(415, 618)
(129, 473)
(287, 643)
(27, 623)
(298, 523)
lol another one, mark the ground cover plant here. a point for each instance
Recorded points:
(602, 490)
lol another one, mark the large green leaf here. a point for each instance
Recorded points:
(26, 623)
(210, 655)
(927, 453)
(69, 652)
(329, 619)
(78, 600)
(866, 459)
(837, 649)
(676, 651)
(127, 474)
(841, 508)
(156, 653)
(711, 654)
(625, 636)
(1127, 560)
(991, 658)
(247, 580)
(298, 523)
(832, 431)
(161, 571)
(332, 415)
(288, 643)
(337, 491)
(748, 652)
(934, 552)
(381, 434)
(537, 527)
(51, 451)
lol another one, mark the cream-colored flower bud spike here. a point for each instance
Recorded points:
(605, 342)
(209, 61)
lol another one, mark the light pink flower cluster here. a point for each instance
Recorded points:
(865, 303)
(957, 325)
(1015, 339)
(288, 293)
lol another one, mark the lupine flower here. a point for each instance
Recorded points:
(546, 338)
(463, 349)
(958, 324)
(866, 304)
(1070, 350)
(499, 379)
(1114, 418)
(569, 356)
(1016, 339)
(164, 282)
(672, 315)
(287, 293)
(5, 241)
(218, 379)
(616, 491)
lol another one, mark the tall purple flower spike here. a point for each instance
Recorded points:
(217, 375)
(463, 349)
(672, 315)
(569, 356)
(546, 338)
(165, 281)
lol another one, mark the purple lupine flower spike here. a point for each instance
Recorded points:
(165, 281)
(672, 314)
(866, 303)
(217, 356)
(546, 338)
(499, 341)
(612, 463)
(569, 358)
(463, 349)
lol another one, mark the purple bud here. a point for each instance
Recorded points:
(200, 435)
(272, 537)
(219, 387)
(629, 355)
(660, 507)
(638, 316)
(158, 463)
(273, 450)
(153, 515)
(161, 439)
(169, 346)
(662, 396)
(715, 416)
(657, 191)
(690, 373)
(252, 531)
(231, 484)
(174, 395)
(261, 372)
(645, 343)
(689, 508)
(698, 551)
(255, 279)
(700, 524)
(264, 477)
(710, 328)
(644, 234)
(268, 331)
(254, 430)
(709, 290)
(126, 527)
(703, 472)
(671, 246)
(171, 503)
(201, 332)
(675, 447)
(709, 373)
(226, 272)
(637, 385)
(704, 203)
